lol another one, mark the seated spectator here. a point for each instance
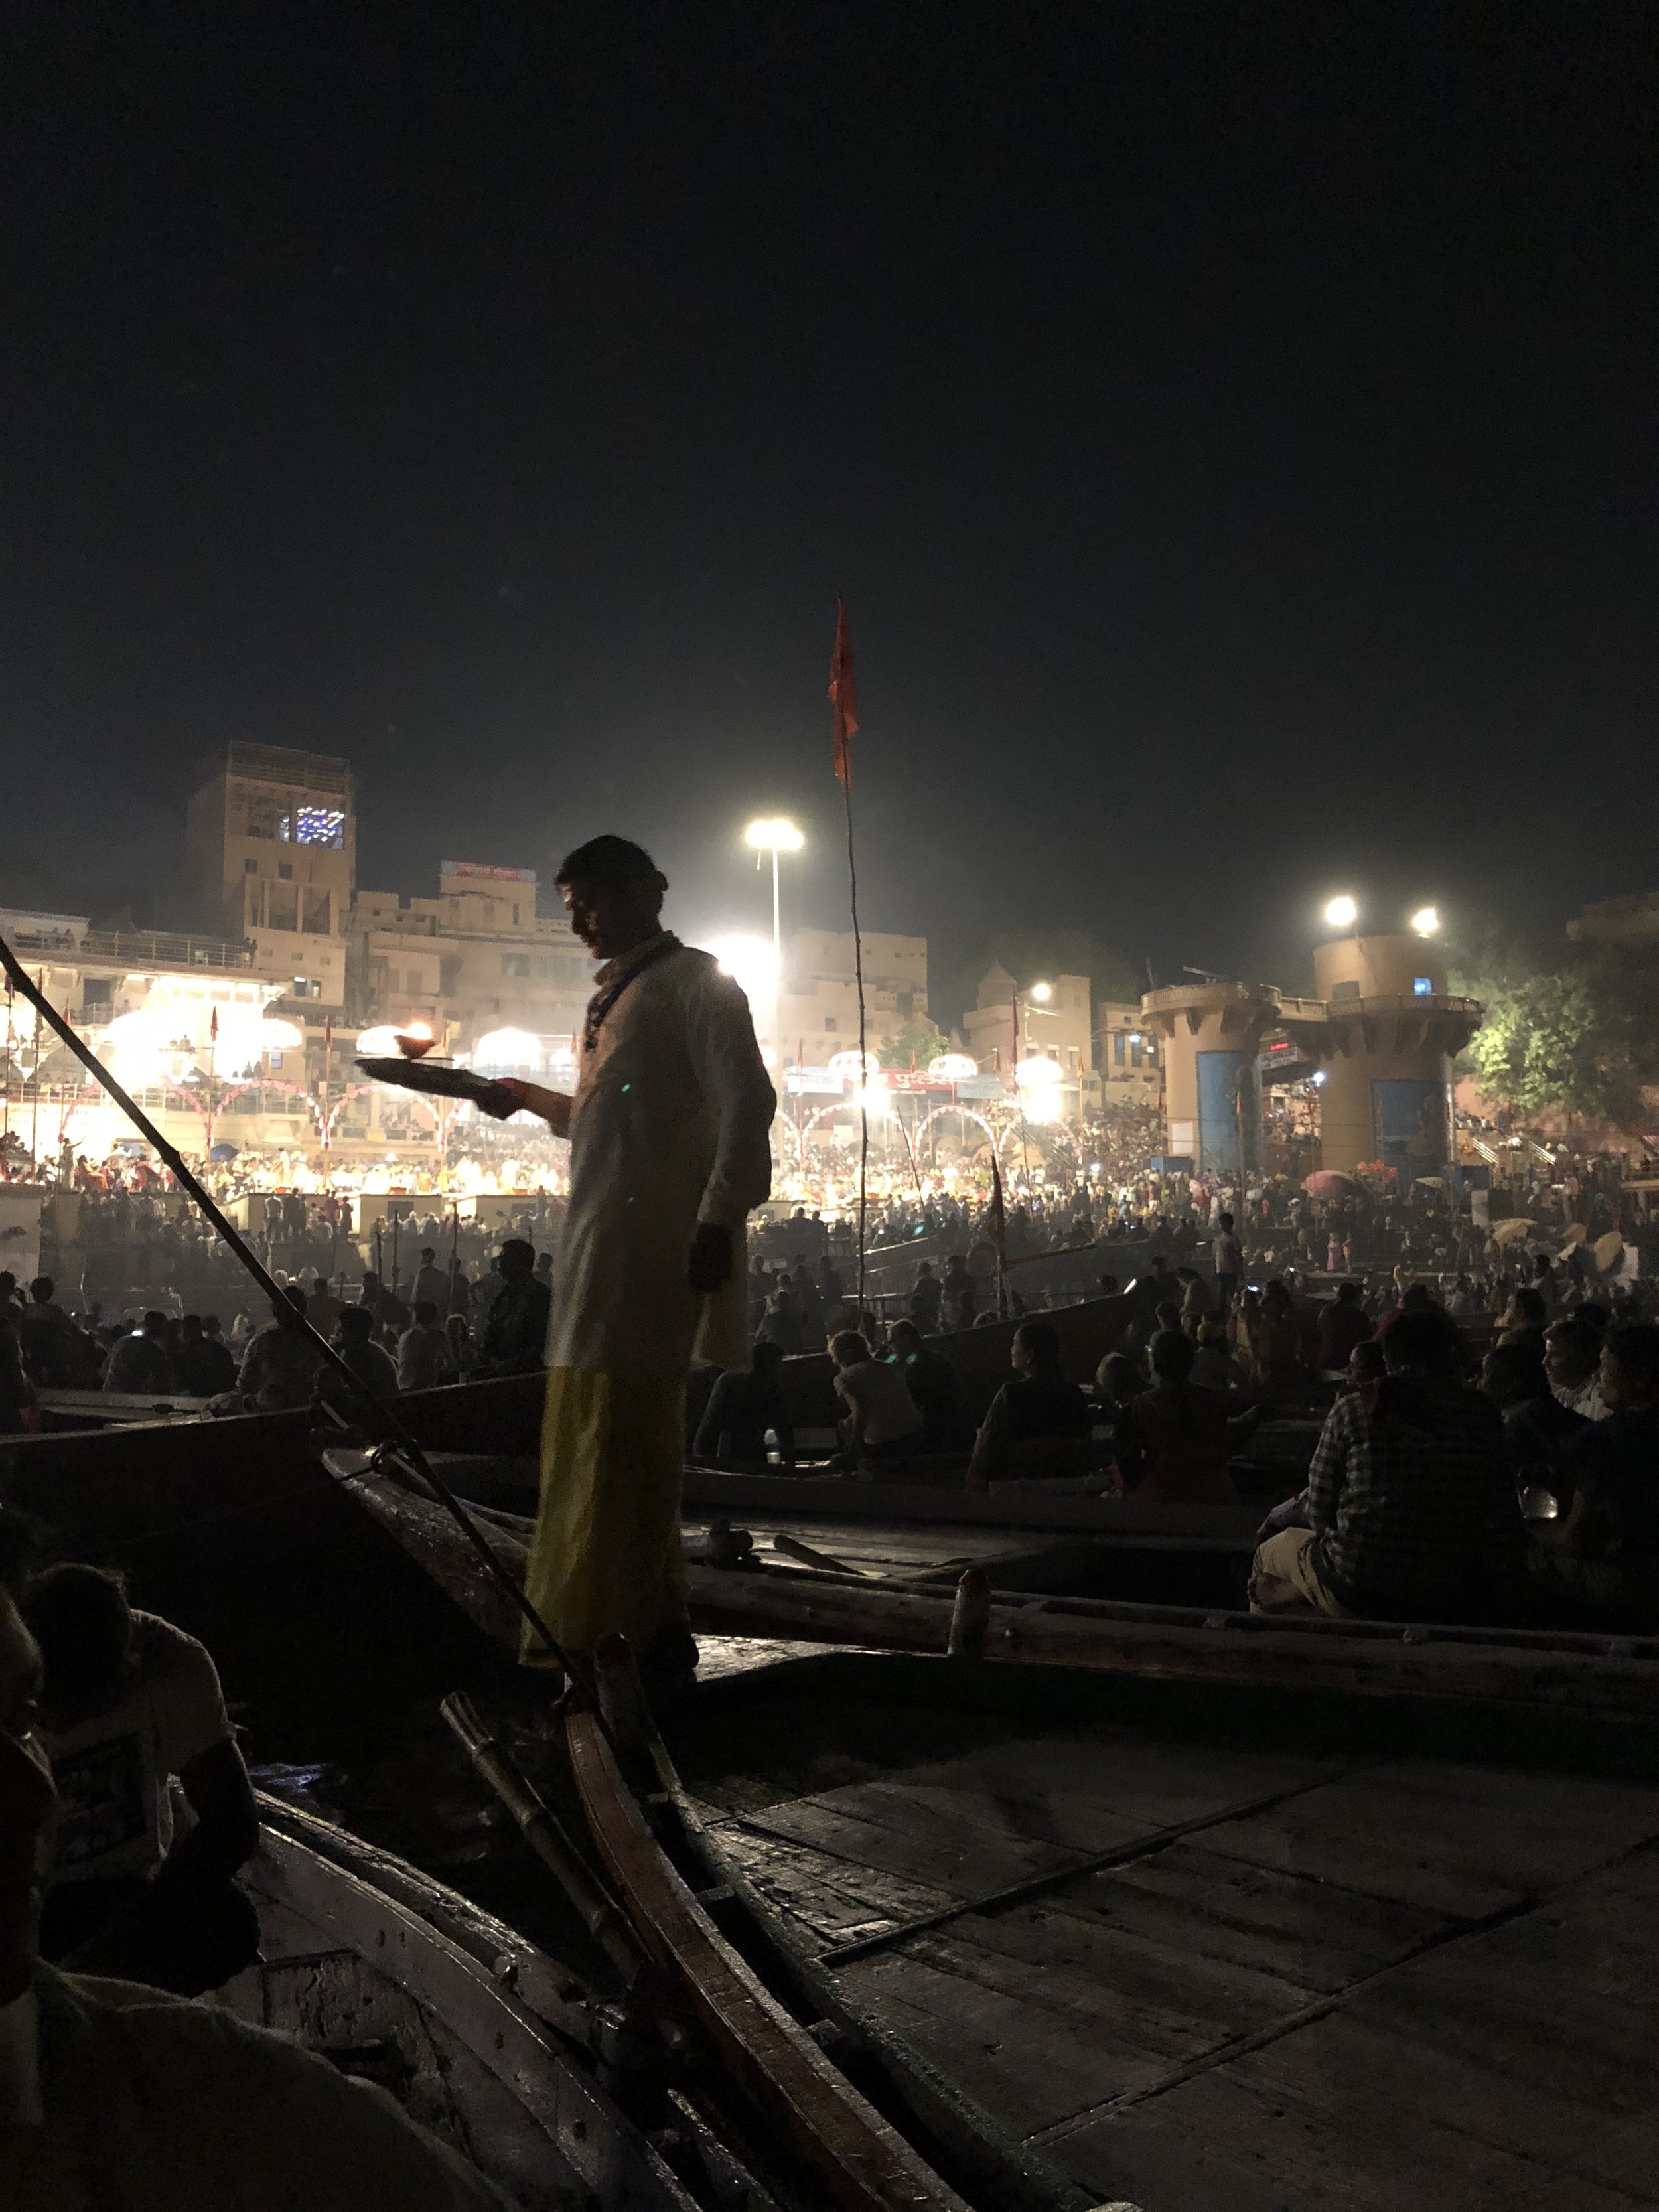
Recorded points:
(1538, 1429)
(323, 1309)
(423, 1360)
(1342, 1324)
(1171, 1445)
(49, 1340)
(882, 1419)
(781, 1322)
(1118, 1379)
(279, 1368)
(1197, 1299)
(202, 1367)
(129, 1704)
(515, 1328)
(18, 1401)
(1412, 1504)
(354, 1340)
(1523, 1320)
(1572, 1354)
(139, 1365)
(1032, 1415)
(1274, 1339)
(741, 1406)
(146, 2101)
(1605, 1555)
(1214, 1367)
(935, 1386)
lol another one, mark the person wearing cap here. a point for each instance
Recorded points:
(669, 1128)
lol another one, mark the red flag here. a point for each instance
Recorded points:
(842, 699)
(328, 1033)
(213, 1025)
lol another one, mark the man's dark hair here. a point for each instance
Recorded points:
(608, 859)
(1635, 1346)
(190, 1327)
(154, 1323)
(1519, 1367)
(1593, 1315)
(1226, 1221)
(849, 1344)
(1171, 1355)
(1348, 1293)
(356, 1323)
(1041, 1339)
(765, 1355)
(905, 1328)
(1118, 1368)
(80, 1618)
(294, 1298)
(1422, 1343)
(1531, 1303)
(425, 1312)
(518, 1258)
(429, 1252)
(40, 1289)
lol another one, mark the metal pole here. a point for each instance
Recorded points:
(380, 1415)
(34, 1103)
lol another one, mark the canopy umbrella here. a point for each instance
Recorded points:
(1328, 1182)
(1574, 1233)
(1514, 1232)
(225, 1152)
(1608, 1249)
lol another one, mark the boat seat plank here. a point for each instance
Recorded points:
(1446, 1837)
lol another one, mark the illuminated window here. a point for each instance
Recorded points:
(319, 825)
(1423, 986)
(515, 964)
(1117, 1048)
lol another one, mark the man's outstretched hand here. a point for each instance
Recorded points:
(708, 1265)
(514, 1095)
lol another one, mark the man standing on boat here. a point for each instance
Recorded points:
(669, 1151)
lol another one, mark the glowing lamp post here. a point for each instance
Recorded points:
(1427, 921)
(775, 835)
(1342, 913)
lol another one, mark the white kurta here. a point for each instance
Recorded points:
(670, 1127)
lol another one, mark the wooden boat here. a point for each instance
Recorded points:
(1544, 1672)
(1185, 1944)
(482, 2038)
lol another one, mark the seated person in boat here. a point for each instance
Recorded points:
(1539, 1430)
(127, 2098)
(354, 1340)
(1171, 1445)
(933, 1386)
(1342, 1324)
(744, 1404)
(1118, 1379)
(279, 1368)
(1603, 1557)
(882, 1422)
(129, 1704)
(1038, 1423)
(1214, 1367)
(1411, 1500)
(515, 1330)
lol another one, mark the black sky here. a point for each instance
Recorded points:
(1233, 428)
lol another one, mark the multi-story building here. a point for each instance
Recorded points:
(1049, 1020)
(1126, 1055)
(818, 1012)
(499, 983)
(271, 841)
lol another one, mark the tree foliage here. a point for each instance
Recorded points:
(1583, 1039)
(915, 1043)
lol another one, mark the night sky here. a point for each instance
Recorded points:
(1233, 428)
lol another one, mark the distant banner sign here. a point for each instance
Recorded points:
(480, 871)
(1409, 1115)
(1228, 1113)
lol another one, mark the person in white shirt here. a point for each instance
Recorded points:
(1572, 1361)
(882, 1421)
(115, 2098)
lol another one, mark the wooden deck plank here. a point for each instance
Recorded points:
(965, 1850)
(1313, 1936)
(1462, 1840)
(823, 1899)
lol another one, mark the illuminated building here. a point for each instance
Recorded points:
(271, 840)
(818, 1003)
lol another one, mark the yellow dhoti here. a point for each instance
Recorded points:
(668, 1131)
(606, 1551)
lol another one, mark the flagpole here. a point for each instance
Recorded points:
(845, 723)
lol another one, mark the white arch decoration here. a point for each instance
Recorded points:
(966, 1112)
(293, 1090)
(357, 1090)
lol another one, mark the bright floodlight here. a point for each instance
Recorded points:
(379, 1042)
(1425, 921)
(1037, 1073)
(778, 835)
(512, 1049)
(952, 1067)
(1043, 993)
(749, 962)
(1342, 913)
